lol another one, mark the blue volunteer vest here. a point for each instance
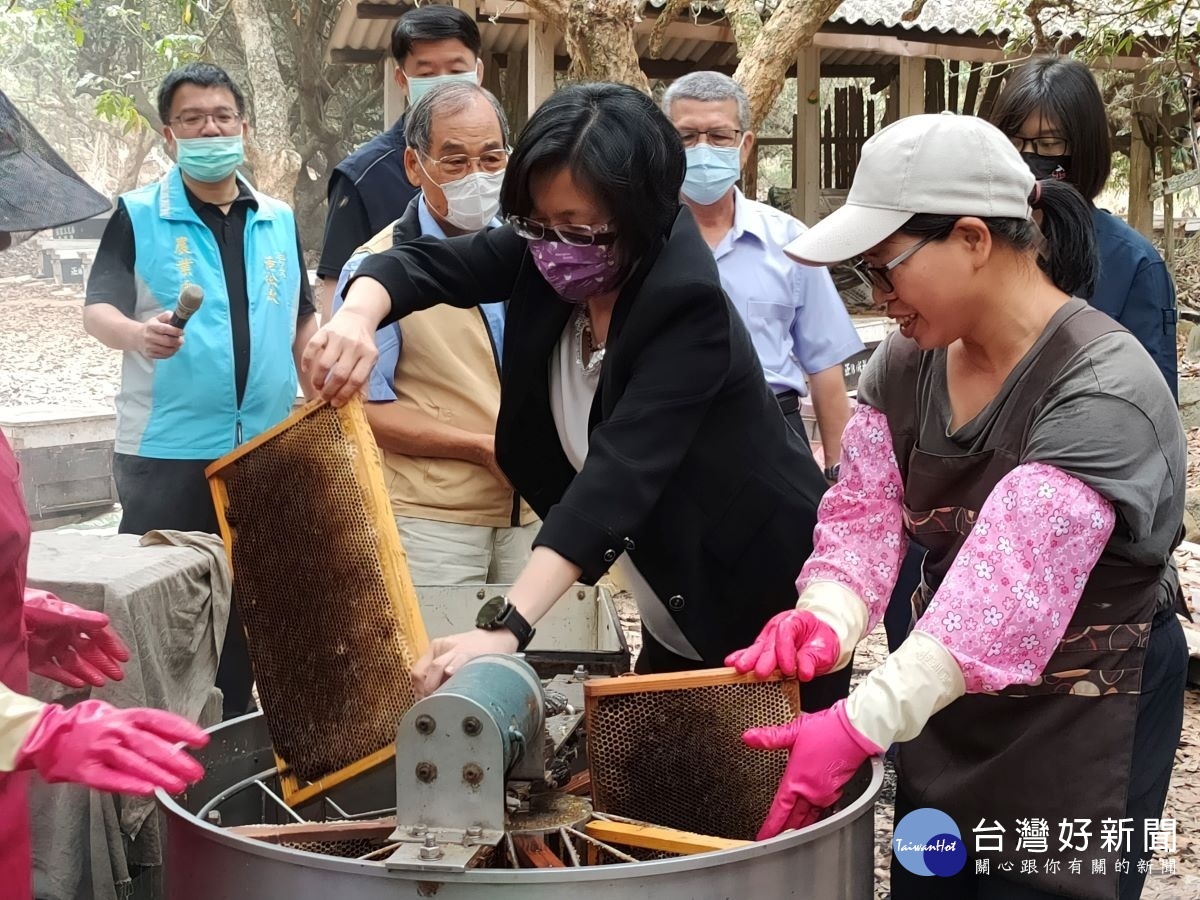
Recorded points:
(186, 407)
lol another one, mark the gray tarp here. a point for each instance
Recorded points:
(169, 601)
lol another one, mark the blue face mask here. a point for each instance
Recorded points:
(418, 87)
(209, 159)
(711, 172)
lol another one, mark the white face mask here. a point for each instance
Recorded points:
(473, 200)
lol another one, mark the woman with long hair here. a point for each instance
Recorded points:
(1052, 111)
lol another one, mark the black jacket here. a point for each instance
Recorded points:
(691, 467)
(364, 192)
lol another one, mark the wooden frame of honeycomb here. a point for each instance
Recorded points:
(667, 749)
(322, 583)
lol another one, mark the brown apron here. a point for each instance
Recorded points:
(1057, 749)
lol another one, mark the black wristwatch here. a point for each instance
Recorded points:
(832, 472)
(498, 612)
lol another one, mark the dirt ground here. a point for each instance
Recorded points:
(47, 360)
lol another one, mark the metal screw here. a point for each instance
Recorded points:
(426, 725)
(481, 593)
(474, 831)
(472, 774)
(580, 673)
(214, 817)
(431, 850)
(418, 829)
(580, 595)
(426, 772)
(471, 726)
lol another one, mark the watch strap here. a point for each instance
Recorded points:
(510, 617)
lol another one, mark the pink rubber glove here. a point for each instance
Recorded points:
(825, 752)
(796, 642)
(125, 751)
(73, 646)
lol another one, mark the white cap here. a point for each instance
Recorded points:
(942, 164)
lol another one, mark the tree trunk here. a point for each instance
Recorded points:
(600, 41)
(131, 168)
(599, 36)
(275, 160)
(745, 22)
(765, 62)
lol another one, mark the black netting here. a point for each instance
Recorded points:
(37, 189)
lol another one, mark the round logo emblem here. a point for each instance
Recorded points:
(927, 842)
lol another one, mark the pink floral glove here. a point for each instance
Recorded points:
(796, 642)
(825, 752)
(73, 646)
(125, 751)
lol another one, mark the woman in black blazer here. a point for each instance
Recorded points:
(634, 416)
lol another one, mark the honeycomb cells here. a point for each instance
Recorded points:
(327, 639)
(674, 757)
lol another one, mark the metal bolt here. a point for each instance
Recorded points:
(474, 831)
(580, 595)
(426, 772)
(580, 672)
(431, 850)
(471, 726)
(419, 829)
(426, 725)
(472, 774)
(481, 593)
(214, 817)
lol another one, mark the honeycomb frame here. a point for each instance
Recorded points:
(667, 749)
(321, 581)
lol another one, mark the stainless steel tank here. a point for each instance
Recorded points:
(831, 860)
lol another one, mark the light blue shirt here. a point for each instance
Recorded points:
(389, 340)
(794, 314)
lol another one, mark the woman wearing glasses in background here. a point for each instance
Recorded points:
(634, 415)
(1028, 442)
(1052, 111)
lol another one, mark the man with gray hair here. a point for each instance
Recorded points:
(798, 322)
(434, 394)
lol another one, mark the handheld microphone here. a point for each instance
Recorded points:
(189, 301)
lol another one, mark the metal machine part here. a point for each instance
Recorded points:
(831, 860)
(456, 751)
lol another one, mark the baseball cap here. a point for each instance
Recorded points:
(944, 164)
(37, 189)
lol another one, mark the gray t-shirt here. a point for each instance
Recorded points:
(1107, 419)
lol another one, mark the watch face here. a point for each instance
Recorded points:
(489, 612)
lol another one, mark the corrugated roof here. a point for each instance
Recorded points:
(945, 17)
(983, 17)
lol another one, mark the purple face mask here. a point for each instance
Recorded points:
(577, 273)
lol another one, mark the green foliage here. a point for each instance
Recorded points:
(118, 107)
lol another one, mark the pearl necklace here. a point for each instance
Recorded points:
(583, 331)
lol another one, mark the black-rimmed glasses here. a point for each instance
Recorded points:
(877, 276)
(577, 235)
(1042, 146)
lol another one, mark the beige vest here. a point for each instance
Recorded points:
(447, 370)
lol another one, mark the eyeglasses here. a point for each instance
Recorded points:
(457, 165)
(577, 235)
(717, 137)
(1042, 146)
(877, 276)
(194, 121)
